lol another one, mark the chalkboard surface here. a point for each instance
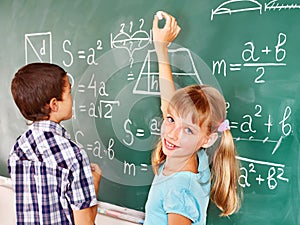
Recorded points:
(249, 49)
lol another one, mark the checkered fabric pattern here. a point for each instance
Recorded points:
(51, 176)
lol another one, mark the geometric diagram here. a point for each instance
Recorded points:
(138, 40)
(224, 8)
(38, 47)
(234, 6)
(182, 64)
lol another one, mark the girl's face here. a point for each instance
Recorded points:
(180, 136)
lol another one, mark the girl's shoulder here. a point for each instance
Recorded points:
(203, 161)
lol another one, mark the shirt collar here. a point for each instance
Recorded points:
(47, 125)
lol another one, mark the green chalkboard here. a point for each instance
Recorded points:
(248, 49)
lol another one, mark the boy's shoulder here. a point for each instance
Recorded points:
(48, 126)
(45, 133)
(46, 139)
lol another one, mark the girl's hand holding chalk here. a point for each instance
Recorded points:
(170, 21)
(164, 36)
(159, 15)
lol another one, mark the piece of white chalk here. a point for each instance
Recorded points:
(159, 15)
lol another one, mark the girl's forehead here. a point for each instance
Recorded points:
(186, 118)
(185, 112)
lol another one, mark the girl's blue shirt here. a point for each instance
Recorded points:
(183, 193)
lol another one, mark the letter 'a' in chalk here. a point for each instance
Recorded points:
(159, 15)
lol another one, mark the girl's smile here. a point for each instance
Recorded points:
(169, 145)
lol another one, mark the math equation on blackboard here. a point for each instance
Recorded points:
(116, 112)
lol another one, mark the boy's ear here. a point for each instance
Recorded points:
(211, 140)
(53, 105)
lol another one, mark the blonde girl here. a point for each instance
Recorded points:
(194, 118)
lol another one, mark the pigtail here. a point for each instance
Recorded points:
(158, 157)
(225, 173)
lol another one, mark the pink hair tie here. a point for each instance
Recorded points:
(224, 126)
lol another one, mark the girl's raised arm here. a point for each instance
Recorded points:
(162, 38)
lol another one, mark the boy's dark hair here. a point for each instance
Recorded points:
(34, 85)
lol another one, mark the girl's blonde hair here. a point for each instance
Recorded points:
(208, 109)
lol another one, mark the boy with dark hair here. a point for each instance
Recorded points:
(53, 180)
